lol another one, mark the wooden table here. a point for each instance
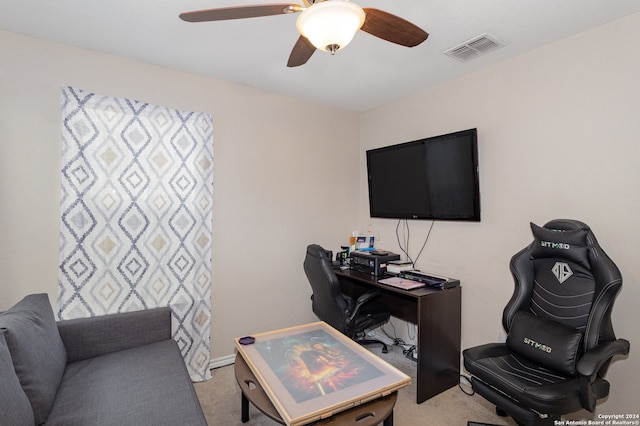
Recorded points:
(369, 414)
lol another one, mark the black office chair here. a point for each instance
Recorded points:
(346, 314)
(560, 338)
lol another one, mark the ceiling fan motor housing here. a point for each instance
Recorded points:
(330, 24)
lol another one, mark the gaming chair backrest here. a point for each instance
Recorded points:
(565, 276)
(328, 303)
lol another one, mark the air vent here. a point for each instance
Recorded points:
(475, 47)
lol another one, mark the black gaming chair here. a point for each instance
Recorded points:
(350, 317)
(560, 338)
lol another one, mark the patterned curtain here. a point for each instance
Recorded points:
(136, 219)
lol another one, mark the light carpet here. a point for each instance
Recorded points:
(220, 400)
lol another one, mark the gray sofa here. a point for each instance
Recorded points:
(122, 369)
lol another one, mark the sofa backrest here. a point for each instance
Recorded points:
(37, 353)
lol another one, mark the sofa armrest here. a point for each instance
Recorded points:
(86, 338)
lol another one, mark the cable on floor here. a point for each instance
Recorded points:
(468, 380)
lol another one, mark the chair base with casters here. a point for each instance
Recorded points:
(352, 317)
(560, 339)
(362, 340)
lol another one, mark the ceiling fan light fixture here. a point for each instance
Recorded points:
(331, 24)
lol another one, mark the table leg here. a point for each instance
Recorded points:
(389, 420)
(245, 409)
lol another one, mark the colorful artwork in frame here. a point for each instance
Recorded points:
(313, 371)
(313, 364)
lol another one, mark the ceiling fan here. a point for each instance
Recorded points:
(326, 25)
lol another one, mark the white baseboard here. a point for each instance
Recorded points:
(222, 361)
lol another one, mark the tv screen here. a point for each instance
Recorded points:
(434, 178)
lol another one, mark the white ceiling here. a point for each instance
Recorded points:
(254, 52)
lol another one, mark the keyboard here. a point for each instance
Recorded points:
(430, 280)
(423, 278)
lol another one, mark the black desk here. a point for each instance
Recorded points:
(437, 315)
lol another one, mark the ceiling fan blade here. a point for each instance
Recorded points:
(301, 52)
(240, 12)
(392, 28)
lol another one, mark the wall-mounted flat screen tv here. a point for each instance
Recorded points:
(434, 178)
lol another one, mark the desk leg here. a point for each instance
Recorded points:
(245, 408)
(438, 342)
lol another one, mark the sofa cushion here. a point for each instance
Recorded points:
(15, 408)
(38, 354)
(146, 385)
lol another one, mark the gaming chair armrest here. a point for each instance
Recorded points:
(362, 300)
(593, 360)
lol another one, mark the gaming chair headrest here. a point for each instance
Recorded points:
(562, 238)
(316, 250)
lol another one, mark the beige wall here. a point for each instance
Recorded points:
(559, 133)
(282, 179)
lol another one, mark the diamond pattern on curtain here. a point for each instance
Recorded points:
(136, 215)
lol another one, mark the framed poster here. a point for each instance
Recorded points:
(313, 371)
